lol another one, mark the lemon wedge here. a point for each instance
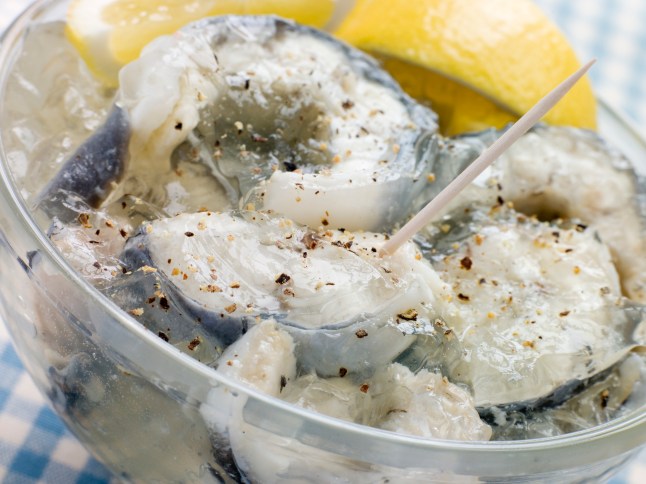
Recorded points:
(479, 64)
(110, 33)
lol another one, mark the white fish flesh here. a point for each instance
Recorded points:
(561, 172)
(535, 306)
(338, 298)
(395, 399)
(285, 117)
(423, 404)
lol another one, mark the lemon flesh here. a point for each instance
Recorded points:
(503, 56)
(110, 33)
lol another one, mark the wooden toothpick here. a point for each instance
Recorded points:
(520, 127)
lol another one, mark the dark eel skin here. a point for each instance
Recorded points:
(92, 168)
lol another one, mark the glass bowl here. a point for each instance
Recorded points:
(151, 413)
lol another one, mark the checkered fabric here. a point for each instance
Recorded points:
(612, 31)
(34, 444)
(35, 447)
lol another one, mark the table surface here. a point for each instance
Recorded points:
(35, 447)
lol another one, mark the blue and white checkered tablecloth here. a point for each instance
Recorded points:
(34, 444)
(35, 447)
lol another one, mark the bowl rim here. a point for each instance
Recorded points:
(628, 431)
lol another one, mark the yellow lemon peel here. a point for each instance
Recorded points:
(489, 61)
